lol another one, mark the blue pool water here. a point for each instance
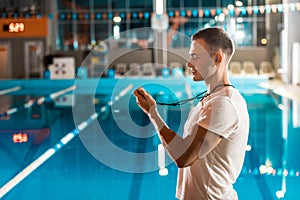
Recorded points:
(75, 172)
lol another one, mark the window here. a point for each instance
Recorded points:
(82, 22)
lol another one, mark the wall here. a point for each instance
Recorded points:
(292, 30)
(146, 55)
(255, 54)
(273, 27)
(18, 55)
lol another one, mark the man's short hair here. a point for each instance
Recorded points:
(216, 38)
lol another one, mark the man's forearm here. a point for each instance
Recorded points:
(172, 142)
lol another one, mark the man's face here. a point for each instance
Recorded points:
(200, 62)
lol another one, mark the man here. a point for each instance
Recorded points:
(211, 153)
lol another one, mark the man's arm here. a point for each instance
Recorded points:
(184, 151)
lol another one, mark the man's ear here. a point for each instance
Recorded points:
(218, 58)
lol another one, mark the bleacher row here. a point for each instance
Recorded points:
(249, 68)
(177, 69)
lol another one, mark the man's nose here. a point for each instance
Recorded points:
(188, 64)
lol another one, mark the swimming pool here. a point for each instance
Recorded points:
(86, 168)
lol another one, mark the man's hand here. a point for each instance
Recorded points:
(145, 101)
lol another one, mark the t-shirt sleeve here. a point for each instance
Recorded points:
(218, 116)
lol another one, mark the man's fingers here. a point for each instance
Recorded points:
(138, 93)
(142, 91)
(141, 94)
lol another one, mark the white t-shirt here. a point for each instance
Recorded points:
(224, 113)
